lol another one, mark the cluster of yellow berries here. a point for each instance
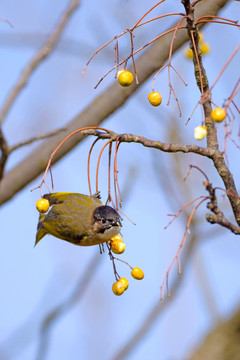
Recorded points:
(121, 285)
(118, 247)
(218, 114)
(204, 48)
(125, 79)
(42, 205)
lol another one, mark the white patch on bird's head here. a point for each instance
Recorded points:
(109, 233)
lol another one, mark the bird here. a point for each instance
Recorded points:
(79, 219)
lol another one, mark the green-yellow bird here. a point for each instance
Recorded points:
(79, 219)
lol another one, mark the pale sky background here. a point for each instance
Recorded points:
(35, 280)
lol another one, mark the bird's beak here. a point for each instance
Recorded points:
(117, 223)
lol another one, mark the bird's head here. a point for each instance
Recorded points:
(107, 222)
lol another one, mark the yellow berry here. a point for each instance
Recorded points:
(137, 273)
(118, 288)
(205, 48)
(125, 78)
(124, 281)
(200, 132)
(155, 98)
(118, 246)
(218, 114)
(188, 53)
(117, 237)
(42, 205)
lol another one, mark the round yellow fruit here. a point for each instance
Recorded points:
(137, 273)
(200, 132)
(124, 281)
(205, 48)
(125, 78)
(118, 246)
(218, 114)
(42, 205)
(155, 98)
(188, 53)
(117, 237)
(118, 288)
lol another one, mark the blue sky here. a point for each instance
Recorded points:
(35, 280)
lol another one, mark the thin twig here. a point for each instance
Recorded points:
(123, 33)
(216, 22)
(176, 257)
(7, 21)
(132, 56)
(154, 313)
(60, 145)
(35, 138)
(135, 52)
(169, 64)
(98, 162)
(109, 171)
(181, 210)
(88, 166)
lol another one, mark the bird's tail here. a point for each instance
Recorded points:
(41, 232)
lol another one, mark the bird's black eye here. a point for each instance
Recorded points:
(104, 221)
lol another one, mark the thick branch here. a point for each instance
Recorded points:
(217, 217)
(40, 55)
(33, 139)
(97, 111)
(226, 175)
(212, 140)
(165, 147)
(222, 220)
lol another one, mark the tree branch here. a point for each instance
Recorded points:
(165, 147)
(97, 111)
(217, 217)
(4, 153)
(40, 55)
(35, 138)
(212, 140)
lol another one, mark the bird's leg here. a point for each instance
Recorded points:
(101, 248)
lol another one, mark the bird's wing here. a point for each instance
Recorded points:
(71, 216)
(60, 197)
